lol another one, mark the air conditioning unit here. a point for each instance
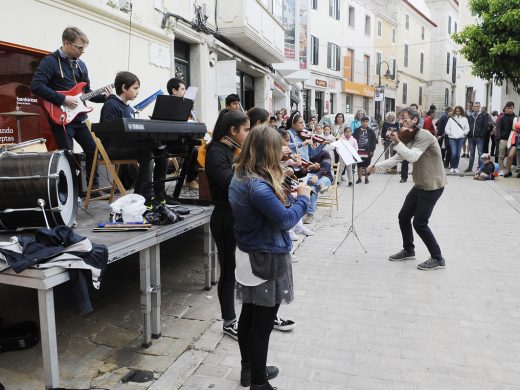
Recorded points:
(125, 5)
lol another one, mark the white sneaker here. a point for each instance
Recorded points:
(457, 170)
(293, 235)
(501, 173)
(303, 230)
(452, 170)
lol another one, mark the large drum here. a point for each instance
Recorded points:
(28, 178)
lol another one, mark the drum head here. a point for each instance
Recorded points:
(30, 179)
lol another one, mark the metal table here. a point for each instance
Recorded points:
(120, 245)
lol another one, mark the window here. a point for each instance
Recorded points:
(351, 55)
(351, 16)
(246, 89)
(393, 36)
(334, 9)
(378, 63)
(366, 70)
(348, 103)
(449, 24)
(333, 56)
(405, 93)
(379, 28)
(406, 55)
(315, 50)
(366, 104)
(446, 96)
(455, 27)
(454, 71)
(421, 66)
(420, 96)
(448, 63)
(422, 33)
(182, 60)
(407, 22)
(367, 25)
(314, 4)
(393, 67)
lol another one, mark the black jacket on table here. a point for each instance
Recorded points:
(219, 162)
(58, 73)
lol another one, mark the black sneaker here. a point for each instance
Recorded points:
(366, 180)
(283, 325)
(231, 330)
(245, 374)
(402, 180)
(358, 181)
(508, 174)
(467, 170)
(168, 200)
(431, 264)
(402, 255)
(350, 183)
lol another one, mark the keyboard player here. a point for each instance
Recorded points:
(116, 107)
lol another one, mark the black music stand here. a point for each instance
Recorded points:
(351, 155)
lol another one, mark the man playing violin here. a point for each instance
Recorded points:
(421, 148)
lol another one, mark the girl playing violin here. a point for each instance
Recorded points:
(263, 261)
(230, 131)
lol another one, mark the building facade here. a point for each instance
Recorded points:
(413, 49)
(443, 54)
(156, 40)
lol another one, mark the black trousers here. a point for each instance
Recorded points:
(79, 132)
(222, 228)
(143, 154)
(254, 329)
(419, 205)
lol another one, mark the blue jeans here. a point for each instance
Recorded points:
(324, 181)
(478, 144)
(456, 147)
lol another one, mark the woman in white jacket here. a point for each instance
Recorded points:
(457, 128)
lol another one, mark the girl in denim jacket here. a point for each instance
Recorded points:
(263, 261)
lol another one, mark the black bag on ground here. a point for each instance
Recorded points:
(21, 335)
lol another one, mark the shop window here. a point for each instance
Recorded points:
(182, 61)
(18, 65)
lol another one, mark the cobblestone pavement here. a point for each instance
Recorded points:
(362, 322)
(366, 323)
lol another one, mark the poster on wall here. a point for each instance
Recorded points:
(289, 25)
(304, 21)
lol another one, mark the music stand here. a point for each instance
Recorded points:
(349, 157)
(18, 114)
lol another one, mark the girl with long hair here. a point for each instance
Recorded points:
(263, 260)
(230, 131)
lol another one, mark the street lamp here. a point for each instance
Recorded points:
(388, 75)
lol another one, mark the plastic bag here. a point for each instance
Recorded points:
(128, 208)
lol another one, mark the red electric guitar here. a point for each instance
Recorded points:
(63, 115)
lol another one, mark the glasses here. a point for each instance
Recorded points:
(79, 47)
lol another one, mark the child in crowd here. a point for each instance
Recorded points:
(347, 137)
(263, 258)
(486, 171)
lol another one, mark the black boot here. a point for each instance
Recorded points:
(266, 386)
(245, 375)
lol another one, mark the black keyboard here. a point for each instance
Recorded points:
(149, 129)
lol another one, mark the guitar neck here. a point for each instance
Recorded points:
(94, 93)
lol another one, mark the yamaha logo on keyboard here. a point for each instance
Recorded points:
(136, 126)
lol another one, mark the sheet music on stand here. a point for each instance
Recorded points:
(349, 156)
(191, 93)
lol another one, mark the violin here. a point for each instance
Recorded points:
(290, 183)
(315, 138)
(295, 157)
(235, 146)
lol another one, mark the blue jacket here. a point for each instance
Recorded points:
(115, 108)
(57, 73)
(261, 220)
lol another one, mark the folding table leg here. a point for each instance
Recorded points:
(48, 338)
(155, 280)
(146, 300)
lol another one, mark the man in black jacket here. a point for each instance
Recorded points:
(441, 136)
(60, 71)
(479, 127)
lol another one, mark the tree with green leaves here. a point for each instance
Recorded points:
(492, 44)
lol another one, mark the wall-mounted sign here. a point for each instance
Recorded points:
(321, 83)
(358, 88)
